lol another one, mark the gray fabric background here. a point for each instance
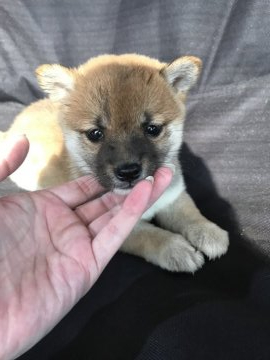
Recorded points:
(228, 118)
(225, 159)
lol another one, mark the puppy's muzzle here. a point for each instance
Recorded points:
(128, 172)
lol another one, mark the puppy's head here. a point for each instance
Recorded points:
(122, 116)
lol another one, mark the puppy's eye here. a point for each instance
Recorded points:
(153, 130)
(94, 135)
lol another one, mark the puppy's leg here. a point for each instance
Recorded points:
(161, 247)
(184, 217)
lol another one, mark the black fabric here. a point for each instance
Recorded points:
(136, 310)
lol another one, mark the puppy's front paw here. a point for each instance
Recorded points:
(208, 238)
(178, 255)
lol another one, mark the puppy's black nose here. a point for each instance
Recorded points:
(128, 172)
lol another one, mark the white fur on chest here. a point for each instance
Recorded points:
(170, 195)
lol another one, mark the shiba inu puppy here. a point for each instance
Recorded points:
(119, 118)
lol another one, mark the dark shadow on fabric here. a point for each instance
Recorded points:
(202, 189)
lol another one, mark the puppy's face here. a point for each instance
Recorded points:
(122, 115)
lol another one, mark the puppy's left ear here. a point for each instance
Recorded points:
(183, 72)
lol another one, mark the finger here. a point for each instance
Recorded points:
(77, 192)
(112, 235)
(93, 210)
(162, 179)
(13, 152)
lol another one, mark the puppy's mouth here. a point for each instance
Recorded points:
(122, 191)
(123, 188)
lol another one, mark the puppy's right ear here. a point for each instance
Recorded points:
(56, 80)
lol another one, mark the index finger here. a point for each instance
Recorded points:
(112, 235)
(163, 177)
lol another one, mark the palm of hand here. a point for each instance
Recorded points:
(49, 262)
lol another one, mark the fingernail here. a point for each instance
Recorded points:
(150, 178)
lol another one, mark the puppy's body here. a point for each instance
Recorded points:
(119, 118)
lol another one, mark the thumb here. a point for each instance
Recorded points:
(13, 151)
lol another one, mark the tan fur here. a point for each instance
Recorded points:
(114, 92)
(46, 163)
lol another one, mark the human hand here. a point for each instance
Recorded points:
(54, 245)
